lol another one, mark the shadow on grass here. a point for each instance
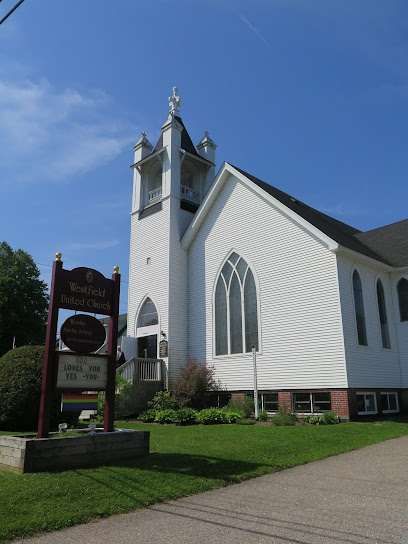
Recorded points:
(163, 476)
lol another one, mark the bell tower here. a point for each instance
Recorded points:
(169, 183)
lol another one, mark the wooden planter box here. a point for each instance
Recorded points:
(22, 454)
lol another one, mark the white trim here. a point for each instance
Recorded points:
(355, 269)
(151, 329)
(378, 278)
(365, 413)
(396, 398)
(257, 287)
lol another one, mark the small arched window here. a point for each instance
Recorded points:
(148, 314)
(402, 288)
(359, 309)
(236, 308)
(382, 313)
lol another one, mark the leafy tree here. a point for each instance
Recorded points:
(23, 300)
(190, 389)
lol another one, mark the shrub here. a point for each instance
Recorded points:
(20, 391)
(211, 416)
(283, 417)
(185, 416)
(123, 397)
(148, 416)
(231, 416)
(263, 415)
(165, 416)
(190, 389)
(163, 401)
(242, 404)
(328, 418)
(283, 420)
(246, 422)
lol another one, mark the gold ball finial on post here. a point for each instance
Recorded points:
(116, 269)
(58, 256)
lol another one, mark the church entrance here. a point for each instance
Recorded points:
(147, 347)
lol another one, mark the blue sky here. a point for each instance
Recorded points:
(308, 95)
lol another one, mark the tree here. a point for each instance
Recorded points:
(190, 389)
(23, 300)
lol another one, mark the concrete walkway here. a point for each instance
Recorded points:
(359, 497)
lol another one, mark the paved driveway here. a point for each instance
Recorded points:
(359, 497)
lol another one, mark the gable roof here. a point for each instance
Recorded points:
(386, 244)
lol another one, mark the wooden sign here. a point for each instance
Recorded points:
(82, 372)
(83, 333)
(163, 348)
(85, 290)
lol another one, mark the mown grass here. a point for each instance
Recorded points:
(183, 461)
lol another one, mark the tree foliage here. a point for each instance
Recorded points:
(23, 300)
(190, 389)
(20, 391)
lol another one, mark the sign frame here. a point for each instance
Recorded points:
(86, 283)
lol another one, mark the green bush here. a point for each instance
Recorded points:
(123, 399)
(263, 415)
(283, 420)
(163, 400)
(20, 392)
(330, 418)
(148, 416)
(185, 416)
(327, 418)
(211, 416)
(232, 416)
(165, 416)
(242, 404)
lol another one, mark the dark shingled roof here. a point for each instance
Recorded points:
(186, 142)
(387, 244)
(390, 241)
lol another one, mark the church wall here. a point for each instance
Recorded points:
(401, 328)
(149, 238)
(301, 330)
(371, 365)
(178, 291)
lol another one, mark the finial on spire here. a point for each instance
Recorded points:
(174, 102)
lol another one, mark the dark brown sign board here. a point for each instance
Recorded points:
(85, 290)
(83, 333)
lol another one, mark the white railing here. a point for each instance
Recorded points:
(190, 194)
(155, 195)
(138, 370)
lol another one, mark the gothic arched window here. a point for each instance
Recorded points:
(359, 309)
(148, 314)
(402, 288)
(382, 313)
(236, 308)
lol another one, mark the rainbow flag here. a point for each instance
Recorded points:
(77, 402)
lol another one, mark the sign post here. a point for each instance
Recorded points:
(255, 383)
(86, 290)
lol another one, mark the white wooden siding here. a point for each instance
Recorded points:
(149, 238)
(301, 330)
(401, 329)
(178, 291)
(371, 365)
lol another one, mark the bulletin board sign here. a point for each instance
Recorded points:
(87, 291)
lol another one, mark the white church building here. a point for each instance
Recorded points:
(223, 262)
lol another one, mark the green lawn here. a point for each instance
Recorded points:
(183, 461)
